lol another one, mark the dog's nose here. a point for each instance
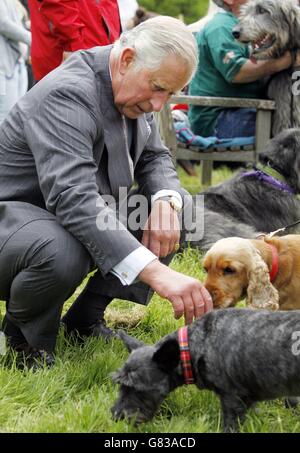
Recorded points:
(236, 32)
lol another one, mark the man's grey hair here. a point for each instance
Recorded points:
(156, 39)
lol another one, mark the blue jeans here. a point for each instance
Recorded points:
(12, 88)
(232, 123)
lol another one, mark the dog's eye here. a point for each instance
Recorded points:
(228, 270)
(260, 10)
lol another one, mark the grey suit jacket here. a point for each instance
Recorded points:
(52, 154)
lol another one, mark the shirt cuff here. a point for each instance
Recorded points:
(129, 268)
(166, 193)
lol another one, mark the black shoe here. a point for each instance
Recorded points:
(100, 329)
(39, 358)
(14, 336)
(97, 330)
(32, 358)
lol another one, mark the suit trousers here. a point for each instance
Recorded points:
(41, 264)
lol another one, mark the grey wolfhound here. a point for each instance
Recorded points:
(263, 199)
(272, 27)
(243, 355)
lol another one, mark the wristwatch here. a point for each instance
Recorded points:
(175, 203)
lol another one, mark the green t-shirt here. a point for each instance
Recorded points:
(220, 59)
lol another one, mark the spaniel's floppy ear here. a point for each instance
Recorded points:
(261, 293)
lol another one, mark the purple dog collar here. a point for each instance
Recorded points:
(185, 355)
(262, 176)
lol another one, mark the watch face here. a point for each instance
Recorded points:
(175, 204)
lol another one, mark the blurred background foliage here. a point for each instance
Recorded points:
(189, 10)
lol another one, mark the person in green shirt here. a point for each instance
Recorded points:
(225, 69)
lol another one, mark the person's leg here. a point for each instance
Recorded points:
(41, 265)
(233, 123)
(86, 315)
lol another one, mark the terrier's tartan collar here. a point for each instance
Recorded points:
(185, 355)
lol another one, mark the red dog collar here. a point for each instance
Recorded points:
(185, 355)
(275, 263)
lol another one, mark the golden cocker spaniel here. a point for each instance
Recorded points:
(238, 268)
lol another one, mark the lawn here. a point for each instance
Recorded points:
(77, 393)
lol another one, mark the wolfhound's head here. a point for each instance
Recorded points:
(271, 26)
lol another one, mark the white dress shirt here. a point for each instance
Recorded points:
(129, 268)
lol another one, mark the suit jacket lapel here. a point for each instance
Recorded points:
(142, 133)
(120, 165)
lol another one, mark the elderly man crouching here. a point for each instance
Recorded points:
(82, 133)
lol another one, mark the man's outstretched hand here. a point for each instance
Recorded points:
(187, 295)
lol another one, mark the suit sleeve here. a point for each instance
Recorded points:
(61, 136)
(64, 16)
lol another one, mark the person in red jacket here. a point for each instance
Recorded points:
(59, 27)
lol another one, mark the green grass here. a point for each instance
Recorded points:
(77, 393)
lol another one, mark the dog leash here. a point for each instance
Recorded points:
(273, 233)
(185, 355)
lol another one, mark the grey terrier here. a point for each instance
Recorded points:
(243, 355)
(272, 27)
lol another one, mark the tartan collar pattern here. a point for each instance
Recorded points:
(185, 355)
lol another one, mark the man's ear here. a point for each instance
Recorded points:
(131, 343)
(167, 356)
(126, 59)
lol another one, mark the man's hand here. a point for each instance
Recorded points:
(285, 61)
(254, 70)
(187, 295)
(162, 230)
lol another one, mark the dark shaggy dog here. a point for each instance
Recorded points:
(244, 356)
(256, 201)
(273, 26)
(213, 226)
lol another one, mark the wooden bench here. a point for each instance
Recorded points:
(183, 152)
